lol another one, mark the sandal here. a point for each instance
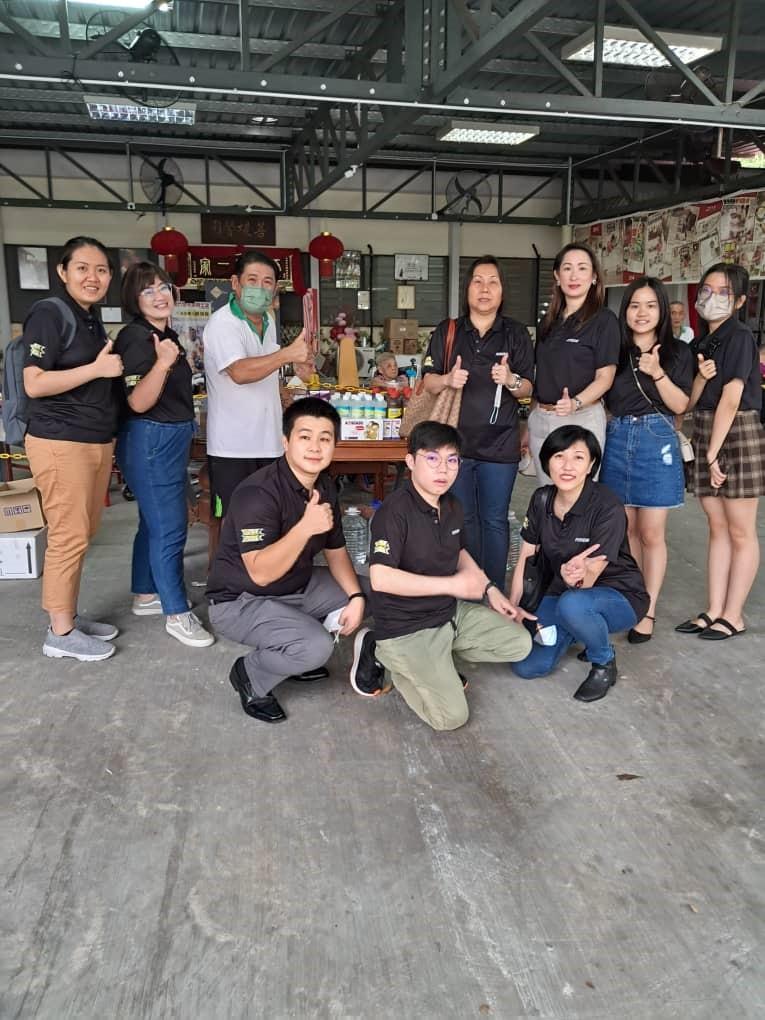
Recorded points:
(636, 637)
(718, 635)
(689, 627)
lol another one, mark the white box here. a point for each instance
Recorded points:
(22, 553)
(361, 428)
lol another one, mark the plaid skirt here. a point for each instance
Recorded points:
(742, 457)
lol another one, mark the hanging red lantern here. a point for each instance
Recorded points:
(174, 247)
(326, 248)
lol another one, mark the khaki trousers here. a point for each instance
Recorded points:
(542, 423)
(422, 664)
(72, 479)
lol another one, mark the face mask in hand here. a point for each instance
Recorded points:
(714, 308)
(255, 300)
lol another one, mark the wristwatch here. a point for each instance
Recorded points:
(516, 383)
(577, 404)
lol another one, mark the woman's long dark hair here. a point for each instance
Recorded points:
(594, 301)
(669, 346)
(484, 260)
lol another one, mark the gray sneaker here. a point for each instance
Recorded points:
(104, 631)
(76, 645)
(187, 628)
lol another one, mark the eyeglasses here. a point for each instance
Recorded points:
(151, 293)
(706, 291)
(452, 461)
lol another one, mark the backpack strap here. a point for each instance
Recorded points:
(68, 320)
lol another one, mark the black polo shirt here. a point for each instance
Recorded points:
(410, 534)
(135, 345)
(571, 353)
(736, 357)
(481, 440)
(87, 413)
(597, 516)
(624, 397)
(263, 508)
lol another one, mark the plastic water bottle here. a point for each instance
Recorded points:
(356, 531)
(514, 548)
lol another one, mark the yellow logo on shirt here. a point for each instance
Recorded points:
(36, 350)
(428, 362)
(525, 523)
(253, 534)
(382, 547)
(132, 380)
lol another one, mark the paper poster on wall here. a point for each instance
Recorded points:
(348, 270)
(634, 248)
(737, 221)
(33, 268)
(656, 262)
(189, 321)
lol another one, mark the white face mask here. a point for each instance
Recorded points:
(714, 307)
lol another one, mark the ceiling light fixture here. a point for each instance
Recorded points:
(628, 46)
(116, 109)
(481, 133)
(132, 5)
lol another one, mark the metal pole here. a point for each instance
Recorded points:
(569, 189)
(5, 304)
(454, 268)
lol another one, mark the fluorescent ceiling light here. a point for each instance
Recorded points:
(133, 5)
(124, 110)
(623, 45)
(487, 134)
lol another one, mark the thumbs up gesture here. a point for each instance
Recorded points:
(501, 373)
(458, 375)
(707, 367)
(649, 363)
(108, 365)
(317, 518)
(166, 351)
(565, 405)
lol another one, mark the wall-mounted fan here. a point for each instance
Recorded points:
(467, 194)
(142, 45)
(162, 181)
(671, 87)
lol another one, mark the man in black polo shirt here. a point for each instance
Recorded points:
(426, 588)
(263, 589)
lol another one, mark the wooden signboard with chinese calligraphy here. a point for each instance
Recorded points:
(235, 228)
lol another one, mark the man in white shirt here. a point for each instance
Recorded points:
(679, 330)
(242, 362)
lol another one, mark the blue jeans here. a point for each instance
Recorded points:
(153, 457)
(484, 489)
(587, 615)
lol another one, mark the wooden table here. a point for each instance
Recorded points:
(368, 457)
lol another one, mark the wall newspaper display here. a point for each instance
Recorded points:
(676, 245)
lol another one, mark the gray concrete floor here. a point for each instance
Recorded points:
(165, 856)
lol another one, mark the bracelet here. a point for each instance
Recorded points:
(488, 587)
(357, 595)
(660, 377)
(713, 461)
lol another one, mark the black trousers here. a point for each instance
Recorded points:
(226, 473)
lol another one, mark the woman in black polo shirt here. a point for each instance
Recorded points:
(492, 363)
(595, 587)
(153, 449)
(69, 373)
(642, 462)
(729, 442)
(577, 352)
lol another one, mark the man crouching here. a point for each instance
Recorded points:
(427, 588)
(263, 589)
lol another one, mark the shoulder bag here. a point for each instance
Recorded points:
(444, 406)
(686, 447)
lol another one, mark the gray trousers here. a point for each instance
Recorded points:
(284, 631)
(542, 423)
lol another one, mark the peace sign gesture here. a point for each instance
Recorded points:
(574, 570)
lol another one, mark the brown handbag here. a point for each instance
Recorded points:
(444, 406)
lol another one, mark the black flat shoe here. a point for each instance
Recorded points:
(719, 635)
(689, 627)
(311, 675)
(582, 656)
(266, 709)
(598, 682)
(636, 637)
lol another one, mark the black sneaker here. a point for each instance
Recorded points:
(367, 674)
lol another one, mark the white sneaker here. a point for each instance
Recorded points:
(143, 608)
(188, 629)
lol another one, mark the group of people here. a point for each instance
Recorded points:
(437, 581)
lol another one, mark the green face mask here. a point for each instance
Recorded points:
(255, 300)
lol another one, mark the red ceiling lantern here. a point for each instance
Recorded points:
(326, 248)
(174, 246)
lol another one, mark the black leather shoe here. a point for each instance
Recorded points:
(599, 680)
(266, 709)
(582, 656)
(310, 675)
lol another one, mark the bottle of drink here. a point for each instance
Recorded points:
(356, 531)
(514, 547)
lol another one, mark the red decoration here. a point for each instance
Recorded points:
(326, 248)
(169, 241)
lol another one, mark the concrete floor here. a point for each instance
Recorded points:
(165, 856)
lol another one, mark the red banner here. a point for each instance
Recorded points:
(216, 262)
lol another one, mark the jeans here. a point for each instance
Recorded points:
(587, 615)
(484, 488)
(153, 457)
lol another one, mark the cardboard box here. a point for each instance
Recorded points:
(410, 346)
(361, 428)
(22, 553)
(400, 329)
(20, 506)
(396, 346)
